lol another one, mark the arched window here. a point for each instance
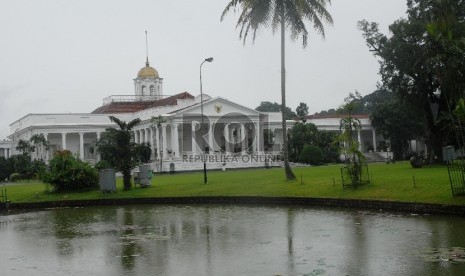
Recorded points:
(152, 89)
(143, 89)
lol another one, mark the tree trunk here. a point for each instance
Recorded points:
(127, 180)
(289, 174)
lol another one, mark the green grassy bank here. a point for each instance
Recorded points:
(390, 182)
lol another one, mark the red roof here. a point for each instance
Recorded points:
(337, 116)
(134, 106)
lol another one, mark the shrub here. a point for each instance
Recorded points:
(67, 173)
(15, 177)
(311, 155)
(6, 168)
(102, 165)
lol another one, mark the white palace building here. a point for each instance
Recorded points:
(232, 134)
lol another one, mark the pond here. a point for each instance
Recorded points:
(229, 240)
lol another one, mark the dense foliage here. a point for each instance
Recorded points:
(303, 134)
(117, 148)
(423, 63)
(67, 173)
(275, 107)
(311, 155)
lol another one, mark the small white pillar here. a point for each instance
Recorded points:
(243, 138)
(175, 143)
(163, 134)
(374, 140)
(359, 139)
(81, 145)
(46, 150)
(97, 153)
(152, 147)
(147, 137)
(256, 144)
(210, 137)
(226, 138)
(63, 140)
(194, 144)
(157, 141)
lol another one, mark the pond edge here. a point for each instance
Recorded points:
(410, 207)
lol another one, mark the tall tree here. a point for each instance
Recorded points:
(397, 121)
(116, 147)
(423, 61)
(282, 14)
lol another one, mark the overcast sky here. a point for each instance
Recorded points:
(66, 56)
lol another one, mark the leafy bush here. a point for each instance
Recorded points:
(6, 168)
(102, 165)
(311, 154)
(68, 173)
(15, 177)
(143, 152)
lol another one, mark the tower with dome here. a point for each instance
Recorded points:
(148, 82)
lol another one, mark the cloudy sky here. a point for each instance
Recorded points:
(66, 56)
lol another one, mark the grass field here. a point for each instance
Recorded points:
(390, 182)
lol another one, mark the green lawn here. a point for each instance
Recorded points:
(390, 182)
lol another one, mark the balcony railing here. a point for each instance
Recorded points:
(133, 98)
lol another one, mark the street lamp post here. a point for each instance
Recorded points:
(210, 59)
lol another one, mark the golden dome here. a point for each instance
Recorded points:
(148, 72)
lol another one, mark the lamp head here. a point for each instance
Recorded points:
(210, 59)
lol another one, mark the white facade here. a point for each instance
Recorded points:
(227, 130)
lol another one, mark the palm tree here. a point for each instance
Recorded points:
(283, 14)
(116, 148)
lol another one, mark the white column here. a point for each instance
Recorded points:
(256, 144)
(226, 138)
(147, 137)
(359, 138)
(243, 138)
(175, 143)
(210, 138)
(141, 136)
(157, 141)
(231, 137)
(63, 140)
(163, 134)
(97, 153)
(374, 140)
(46, 150)
(194, 144)
(81, 145)
(152, 144)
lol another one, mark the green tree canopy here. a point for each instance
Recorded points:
(423, 61)
(397, 121)
(275, 107)
(302, 110)
(116, 147)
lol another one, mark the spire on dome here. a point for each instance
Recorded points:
(147, 71)
(147, 64)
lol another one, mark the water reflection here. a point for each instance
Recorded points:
(290, 242)
(219, 240)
